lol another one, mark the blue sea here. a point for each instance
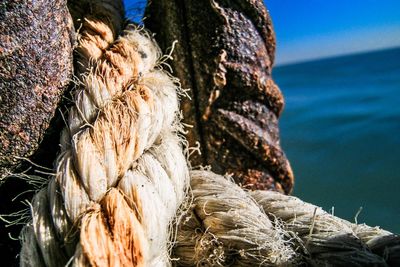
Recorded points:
(341, 132)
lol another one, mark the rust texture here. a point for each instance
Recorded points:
(225, 54)
(36, 42)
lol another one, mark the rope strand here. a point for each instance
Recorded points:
(224, 226)
(332, 240)
(121, 177)
(119, 157)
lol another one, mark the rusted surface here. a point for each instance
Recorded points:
(225, 55)
(167, 20)
(36, 40)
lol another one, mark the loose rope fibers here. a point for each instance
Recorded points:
(121, 174)
(225, 225)
(328, 239)
(380, 242)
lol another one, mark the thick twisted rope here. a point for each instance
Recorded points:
(380, 242)
(121, 176)
(226, 225)
(328, 239)
(121, 173)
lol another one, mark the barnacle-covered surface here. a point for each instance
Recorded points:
(224, 54)
(36, 42)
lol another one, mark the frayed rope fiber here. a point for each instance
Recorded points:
(121, 174)
(119, 196)
(328, 239)
(225, 225)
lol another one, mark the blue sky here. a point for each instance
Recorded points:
(311, 29)
(308, 29)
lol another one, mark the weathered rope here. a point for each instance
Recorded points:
(380, 242)
(329, 239)
(225, 225)
(121, 174)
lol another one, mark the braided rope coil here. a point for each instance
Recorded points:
(121, 174)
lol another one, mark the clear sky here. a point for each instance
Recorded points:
(310, 29)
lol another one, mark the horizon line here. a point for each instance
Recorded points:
(312, 59)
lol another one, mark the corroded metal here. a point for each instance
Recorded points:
(36, 42)
(225, 54)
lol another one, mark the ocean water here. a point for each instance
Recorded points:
(341, 132)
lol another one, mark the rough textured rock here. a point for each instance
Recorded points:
(225, 54)
(36, 42)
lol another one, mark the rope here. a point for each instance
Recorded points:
(121, 178)
(121, 174)
(331, 240)
(225, 225)
(380, 242)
